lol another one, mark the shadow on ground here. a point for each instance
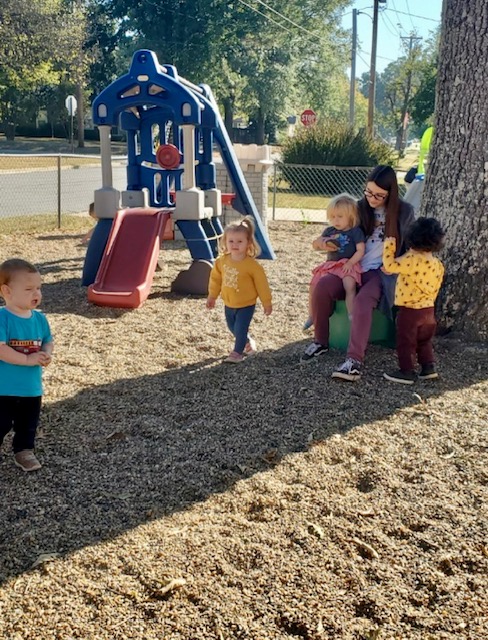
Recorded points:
(116, 456)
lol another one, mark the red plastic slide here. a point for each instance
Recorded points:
(128, 264)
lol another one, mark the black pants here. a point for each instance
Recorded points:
(21, 415)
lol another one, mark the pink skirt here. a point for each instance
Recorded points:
(336, 269)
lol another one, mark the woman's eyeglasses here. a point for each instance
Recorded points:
(376, 196)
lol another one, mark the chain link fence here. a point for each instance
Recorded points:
(50, 190)
(302, 192)
(45, 191)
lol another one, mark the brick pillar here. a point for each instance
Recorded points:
(256, 165)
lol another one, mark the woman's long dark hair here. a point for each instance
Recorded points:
(385, 177)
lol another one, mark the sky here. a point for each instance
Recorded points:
(399, 18)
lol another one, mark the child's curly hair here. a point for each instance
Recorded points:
(425, 234)
(246, 225)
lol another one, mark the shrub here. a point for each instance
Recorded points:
(330, 144)
(337, 144)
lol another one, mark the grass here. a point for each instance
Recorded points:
(28, 162)
(43, 222)
(290, 199)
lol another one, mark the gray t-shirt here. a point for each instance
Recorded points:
(346, 242)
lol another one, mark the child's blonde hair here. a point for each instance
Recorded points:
(13, 266)
(246, 225)
(347, 204)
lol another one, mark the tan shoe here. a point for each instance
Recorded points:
(27, 461)
(234, 357)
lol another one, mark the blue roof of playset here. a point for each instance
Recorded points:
(148, 83)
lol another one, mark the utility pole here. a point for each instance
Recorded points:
(410, 39)
(352, 86)
(372, 72)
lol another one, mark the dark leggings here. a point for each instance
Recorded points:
(21, 415)
(238, 321)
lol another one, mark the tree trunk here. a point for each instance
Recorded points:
(80, 116)
(456, 190)
(260, 135)
(229, 114)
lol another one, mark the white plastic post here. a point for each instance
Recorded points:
(189, 181)
(106, 156)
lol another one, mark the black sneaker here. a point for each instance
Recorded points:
(350, 370)
(428, 372)
(403, 377)
(312, 351)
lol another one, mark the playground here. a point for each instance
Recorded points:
(181, 498)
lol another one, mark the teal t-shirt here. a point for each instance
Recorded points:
(26, 335)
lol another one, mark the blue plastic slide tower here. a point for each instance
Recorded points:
(171, 126)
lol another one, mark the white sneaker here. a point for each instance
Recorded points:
(250, 349)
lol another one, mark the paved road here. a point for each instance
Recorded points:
(36, 192)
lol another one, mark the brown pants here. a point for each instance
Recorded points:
(415, 330)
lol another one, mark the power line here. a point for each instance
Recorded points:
(399, 23)
(315, 35)
(393, 33)
(410, 15)
(413, 15)
(279, 24)
(265, 16)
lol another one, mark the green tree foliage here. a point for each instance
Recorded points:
(255, 59)
(405, 90)
(27, 65)
(423, 102)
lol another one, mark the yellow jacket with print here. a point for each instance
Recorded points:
(239, 283)
(419, 276)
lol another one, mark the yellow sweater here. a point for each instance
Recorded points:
(239, 283)
(420, 276)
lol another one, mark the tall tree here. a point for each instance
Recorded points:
(456, 190)
(423, 102)
(254, 54)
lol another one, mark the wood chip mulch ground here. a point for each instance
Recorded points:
(183, 498)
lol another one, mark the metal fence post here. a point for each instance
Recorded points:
(59, 192)
(274, 191)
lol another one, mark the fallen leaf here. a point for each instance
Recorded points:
(43, 558)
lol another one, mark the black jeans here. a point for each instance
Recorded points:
(21, 415)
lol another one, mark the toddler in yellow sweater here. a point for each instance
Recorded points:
(420, 276)
(240, 280)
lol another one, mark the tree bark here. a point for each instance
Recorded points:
(260, 121)
(80, 115)
(228, 103)
(456, 190)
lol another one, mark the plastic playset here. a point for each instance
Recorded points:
(171, 127)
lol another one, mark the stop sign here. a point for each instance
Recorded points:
(308, 117)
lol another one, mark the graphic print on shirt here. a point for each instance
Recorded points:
(25, 346)
(341, 240)
(378, 234)
(231, 277)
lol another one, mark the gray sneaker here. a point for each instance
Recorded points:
(26, 460)
(313, 351)
(349, 370)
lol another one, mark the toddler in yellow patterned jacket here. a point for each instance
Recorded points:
(420, 276)
(240, 280)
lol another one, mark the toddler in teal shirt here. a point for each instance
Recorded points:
(25, 347)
